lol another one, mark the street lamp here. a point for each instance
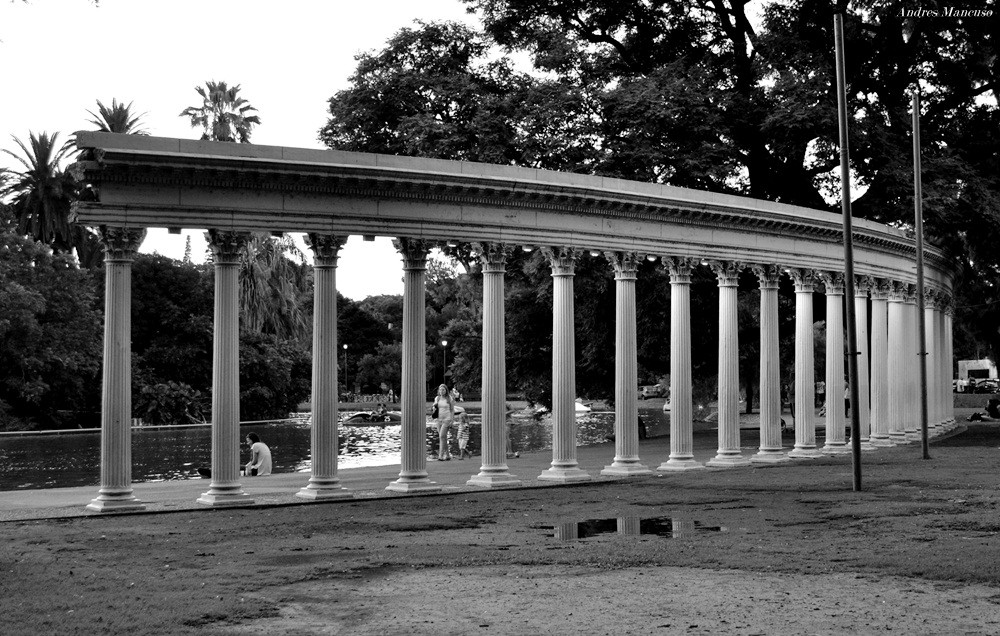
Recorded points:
(918, 223)
(444, 370)
(346, 385)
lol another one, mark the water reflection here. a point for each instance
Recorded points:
(176, 452)
(672, 527)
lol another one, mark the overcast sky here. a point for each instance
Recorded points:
(60, 56)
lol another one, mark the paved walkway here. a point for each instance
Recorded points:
(370, 482)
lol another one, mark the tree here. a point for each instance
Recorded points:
(223, 114)
(274, 288)
(42, 193)
(119, 118)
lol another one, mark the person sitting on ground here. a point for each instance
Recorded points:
(992, 412)
(260, 457)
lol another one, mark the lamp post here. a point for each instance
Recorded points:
(918, 226)
(845, 205)
(444, 370)
(347, 387)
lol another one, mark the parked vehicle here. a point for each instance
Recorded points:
(651, 391)
(987, 385)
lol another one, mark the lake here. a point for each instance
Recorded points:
(176, 452)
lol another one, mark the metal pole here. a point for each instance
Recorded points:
(845, 204)
(918, 210)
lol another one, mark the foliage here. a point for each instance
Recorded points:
(42, 193)
(50, 336)
(223, 114)
(274, 287)
(119, 118)
(171, 403)
(275, 376)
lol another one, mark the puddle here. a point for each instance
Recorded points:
(670, 527)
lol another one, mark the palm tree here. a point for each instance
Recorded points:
(117, 119)
(223, 115)
(42, 193)
(274, 287)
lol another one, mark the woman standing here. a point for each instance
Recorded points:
(444, 407)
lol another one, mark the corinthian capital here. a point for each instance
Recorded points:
(121, 243)
(325, 247)
(679, 268)
(414, 251)
(227, 246)
(804, 279)
(493, 256)
(727, 272)
(625, 264)
(562, 259)
(767, 275)
(834, 283)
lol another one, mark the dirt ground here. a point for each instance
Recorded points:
(785, 549)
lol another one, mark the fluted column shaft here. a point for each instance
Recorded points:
(805, 388)
(564, 465)
(324, 483)
(862, 286)
(681, 422)
(626, 461)
(880, 364)
(911, 417)
(770, 379)
(120, 246)
(945, 389)
(897, 361)
(728, 454)
(225, 489)
(949, 347)
(413, 453)
(494, 471)
(836, 442)
(930, 342)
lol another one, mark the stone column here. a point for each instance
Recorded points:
(728, 456)
(120, 246)
(863, 285)
(897, 361)
(494, 472)
(770, 376)
(324, 483)
(949, 354)
(930, 361)
(805, 386)
(911, 421)
(564, 466)
(413, 454)
(626, 462)
(681, 424)
(836, 442)
(880, 364)
(945, 388)
(225, 490)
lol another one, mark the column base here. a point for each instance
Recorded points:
(409, 484)
(881, 442)
(623, 469)
(324, 491)
(804, 452)
(681, 463)
(223, 499)
(866, 445)
(769, 457)
(899, 439)
(115, 501)
(836, 448)
(913, 436)
(727, 461)
(494, 480)
(565, 474)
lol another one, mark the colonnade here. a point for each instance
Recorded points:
(888, 412)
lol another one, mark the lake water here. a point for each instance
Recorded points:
(176, 452)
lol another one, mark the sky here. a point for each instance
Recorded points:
(60, 56)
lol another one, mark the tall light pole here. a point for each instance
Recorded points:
(444, 370)
(845, 205)
(918, 223)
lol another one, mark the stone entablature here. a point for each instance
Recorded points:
(161, 182)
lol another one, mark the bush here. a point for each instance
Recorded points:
(170, 403)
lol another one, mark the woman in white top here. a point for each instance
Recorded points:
(260, 459)
(445, 407)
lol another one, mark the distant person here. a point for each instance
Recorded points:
(463, 436)
(642, 429)
(444, 413)
(992, 412)
(507, 423)
(260, 457)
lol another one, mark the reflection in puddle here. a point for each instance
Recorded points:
(675, 527)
